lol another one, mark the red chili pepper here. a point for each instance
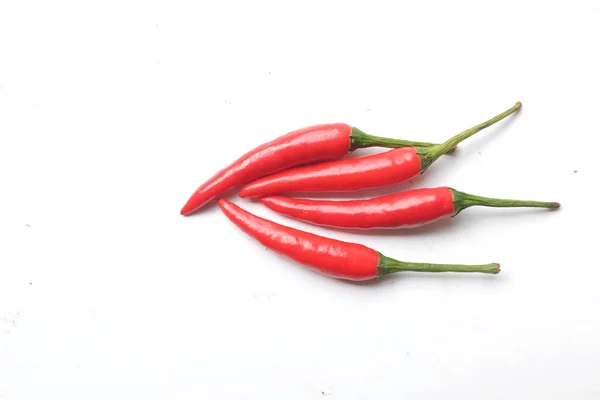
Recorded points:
(369, 171)
(331, 257)
(302, 146)
(406, 209)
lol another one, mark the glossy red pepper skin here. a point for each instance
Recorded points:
(310, 144)
(405, 209)
(330, 257)
(370, 171)
(410, 208)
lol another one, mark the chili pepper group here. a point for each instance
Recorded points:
(305, 161)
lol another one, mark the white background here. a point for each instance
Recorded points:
(113, 112)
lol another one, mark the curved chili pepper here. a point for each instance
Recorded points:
(406, 209)
(364, 172)
(302, 146)
(331, 257)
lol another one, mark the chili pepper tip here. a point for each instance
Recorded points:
(189, 207)
(185, 210)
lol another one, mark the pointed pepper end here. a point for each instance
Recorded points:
(185, 210)
(225, 205)
(245, 192)
(189, 207)
(266, 200)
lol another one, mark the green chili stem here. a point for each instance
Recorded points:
(389, 265)
(360, 139)
(432, 153)
(463, 200)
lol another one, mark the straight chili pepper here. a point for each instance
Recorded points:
(302, 146)
(364, 172)
(405, 209)
(331, 257)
